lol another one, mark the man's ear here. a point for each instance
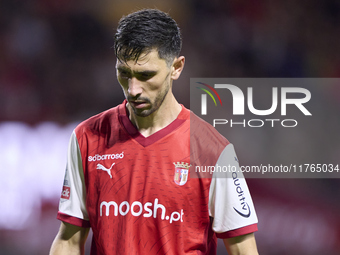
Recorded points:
(177, 67)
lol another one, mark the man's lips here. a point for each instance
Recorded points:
(138, 104)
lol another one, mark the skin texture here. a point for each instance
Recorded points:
(147, 86)
(70, 240)
(241, 245)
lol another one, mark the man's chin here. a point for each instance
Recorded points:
(142, 112)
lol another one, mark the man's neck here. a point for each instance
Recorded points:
(162, 117)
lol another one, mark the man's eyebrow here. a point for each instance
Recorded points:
(150, 72)
(145, 72)
(122, 68)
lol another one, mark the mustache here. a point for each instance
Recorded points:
(144, 99)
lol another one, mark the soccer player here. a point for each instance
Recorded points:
(130, 171)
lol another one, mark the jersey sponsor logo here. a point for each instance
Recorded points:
(65, 194)
(245, 209)
(98, 157)
(136, 209)
(181, 173)
(108, 170)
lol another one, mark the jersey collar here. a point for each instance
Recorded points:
(146, 141)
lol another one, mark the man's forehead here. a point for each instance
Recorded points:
(146, 59)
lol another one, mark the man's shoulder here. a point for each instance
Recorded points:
(102, 122)
(206, 143)
(200, 129)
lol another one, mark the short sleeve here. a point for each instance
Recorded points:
(230, 203)
(72, 202)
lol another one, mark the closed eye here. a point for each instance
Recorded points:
(124, 74)
(144, 76)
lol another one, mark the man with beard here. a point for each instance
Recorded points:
(128, 171)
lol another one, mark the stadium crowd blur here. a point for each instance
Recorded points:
(56, 64)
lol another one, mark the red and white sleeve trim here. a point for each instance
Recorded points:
(238, 232)
(73, 220)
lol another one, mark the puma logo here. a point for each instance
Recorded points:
(101, 167)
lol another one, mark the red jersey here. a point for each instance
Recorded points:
(141, 195)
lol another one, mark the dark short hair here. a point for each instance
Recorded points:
(144, 30)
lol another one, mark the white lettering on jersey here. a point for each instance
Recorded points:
(136, 210)
(65, 194)
(98, 157)
(108, 170)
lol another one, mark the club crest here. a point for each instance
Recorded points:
(181, 173)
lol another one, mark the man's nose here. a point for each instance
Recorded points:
(135, 87)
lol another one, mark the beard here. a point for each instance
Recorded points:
(153, 106)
